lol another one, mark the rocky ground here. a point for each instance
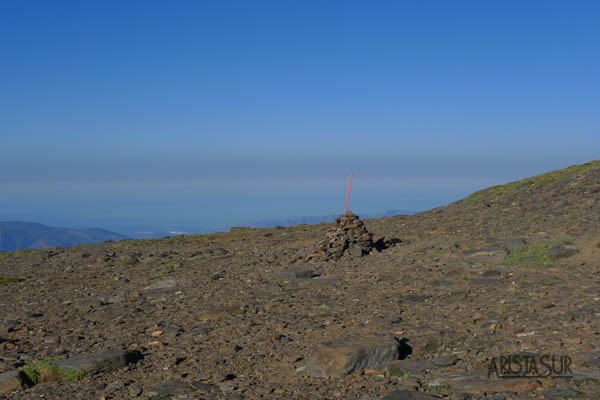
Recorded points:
(510, 270)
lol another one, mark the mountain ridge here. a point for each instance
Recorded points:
(21, 235)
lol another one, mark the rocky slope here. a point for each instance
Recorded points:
(513, 269)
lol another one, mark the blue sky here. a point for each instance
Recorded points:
(188, 114)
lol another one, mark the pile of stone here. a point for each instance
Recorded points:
(348, 236)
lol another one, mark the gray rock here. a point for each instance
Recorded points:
(579, 375)
(305, 274)
(595, 363)
(114, 386)
(11, 381)
(135, 391)
(219, 252)
(117, 298)
(486, 255)
(11, 325)
(96, 303)
(106, 360)
(227, 387)
(413, 367)
(514, 243)
(162, 287)
(556, 394)
(356, 252)
(415, 298)
(485, 281)
(562, 251)
(352, 353)
(409, 395)
(445, 360)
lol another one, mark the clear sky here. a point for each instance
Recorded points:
(164, 115)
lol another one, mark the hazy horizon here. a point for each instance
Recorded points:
(159, 117)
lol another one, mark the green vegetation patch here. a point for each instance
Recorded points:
(35, 371)
(395, 371)
(163, 271)
(438, 388)
(534, 255)
(503, 307)
(548, 178)
(7, 281)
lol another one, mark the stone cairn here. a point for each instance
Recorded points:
(348, 236)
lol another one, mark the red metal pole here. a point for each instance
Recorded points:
(348, 195)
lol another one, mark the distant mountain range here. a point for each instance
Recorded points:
(18, 235)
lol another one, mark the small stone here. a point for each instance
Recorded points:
(356, 252)
(117, 298)
(114, 386)
(135, 391)
(227, 387)
(217, 276)
(514, 243)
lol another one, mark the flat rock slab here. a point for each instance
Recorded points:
(477, 384)
(415, 298)
(562, 251)
(409, 395)
(162, 287)
(11, 381)
(176, 389)
(595, 363)
(445, 360)
(561, 394)
(352, 353)
(106, 360)
(485, 281)
(486, 255)
(579, 375)
(413, 367)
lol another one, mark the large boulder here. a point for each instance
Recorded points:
(11, 381)
(352, 353)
